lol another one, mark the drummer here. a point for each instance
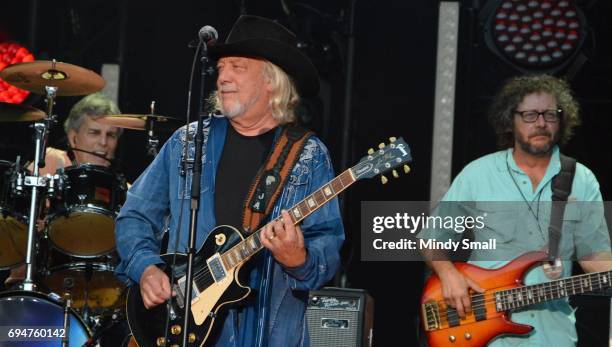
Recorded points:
(89, 141)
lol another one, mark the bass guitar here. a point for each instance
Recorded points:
(217, 264)
(490, 310)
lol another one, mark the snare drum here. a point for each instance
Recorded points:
(14, 207)
(93, 280)
(32, 310)
(81, 219)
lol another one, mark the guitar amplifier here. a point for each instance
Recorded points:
(340, 317)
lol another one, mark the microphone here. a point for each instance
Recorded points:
(208, 35)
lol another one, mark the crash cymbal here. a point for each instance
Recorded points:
(69, 79)
(132, 121)
(19, 113)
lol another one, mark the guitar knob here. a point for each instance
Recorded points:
(371, 151)
(175, 329)
(381, 145)
(191, 338)
(392, 139)
(384, 179)
(395, 174)
(452, 338)
(406, 169)
(468, 336)
(161, 341)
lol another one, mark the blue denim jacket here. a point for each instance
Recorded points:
(153, 205)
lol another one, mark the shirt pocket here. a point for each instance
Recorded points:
(499, 221)
(571, 219)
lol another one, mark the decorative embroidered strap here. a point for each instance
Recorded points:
(271, 178)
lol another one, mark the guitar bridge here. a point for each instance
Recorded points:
(431, 316)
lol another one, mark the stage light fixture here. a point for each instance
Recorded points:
(12, 53)
(542, 36)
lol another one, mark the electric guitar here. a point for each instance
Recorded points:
(217, 264)
(490, 310)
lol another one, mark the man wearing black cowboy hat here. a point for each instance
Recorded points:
(261, 76)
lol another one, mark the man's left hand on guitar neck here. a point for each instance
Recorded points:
(285, 241)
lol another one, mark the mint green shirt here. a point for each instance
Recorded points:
(487, 182)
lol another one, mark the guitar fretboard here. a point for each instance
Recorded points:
(252, 244)
(533, 294)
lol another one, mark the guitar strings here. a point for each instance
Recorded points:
(452, 313)
(205, 276)
(549, 289)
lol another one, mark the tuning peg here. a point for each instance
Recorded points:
(371, 151)
(395, 174)
(392, 139)
(406, 169)
(383, 179)
(381, 145)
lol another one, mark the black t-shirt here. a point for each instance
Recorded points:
(240, 161)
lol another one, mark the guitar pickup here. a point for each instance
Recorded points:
(217, 270)
(179, 289)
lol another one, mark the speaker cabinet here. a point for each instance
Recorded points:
(340, 317)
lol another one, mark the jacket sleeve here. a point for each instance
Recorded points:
(141, 222)
(323, 230)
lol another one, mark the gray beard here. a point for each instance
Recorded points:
(235, 111)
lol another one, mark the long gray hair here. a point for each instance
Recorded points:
(284, 96)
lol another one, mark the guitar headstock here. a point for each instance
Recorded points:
(388, 157)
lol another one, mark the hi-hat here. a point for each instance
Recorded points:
(69, 79)
(132, 121)
(19, 113)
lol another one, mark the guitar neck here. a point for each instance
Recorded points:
(528, 295)
(244, 250)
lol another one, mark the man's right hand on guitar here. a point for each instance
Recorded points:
(154, 286)
(455, 289)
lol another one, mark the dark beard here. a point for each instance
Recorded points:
(539, 151)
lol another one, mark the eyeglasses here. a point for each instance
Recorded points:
(530, 116)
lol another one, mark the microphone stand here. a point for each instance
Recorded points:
(195, 204)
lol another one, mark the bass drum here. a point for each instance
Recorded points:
(94, 281)
(32, 310)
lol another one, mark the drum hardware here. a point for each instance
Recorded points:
(52, 79)
(41, 134)
(68, 285)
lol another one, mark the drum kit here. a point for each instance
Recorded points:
(61, 225)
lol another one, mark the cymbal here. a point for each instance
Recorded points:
(19, 113)
(69, 79)
(132, 121)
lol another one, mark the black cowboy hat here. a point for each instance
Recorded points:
(263, 38)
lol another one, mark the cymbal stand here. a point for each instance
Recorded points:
(37, 182)
(152, 140)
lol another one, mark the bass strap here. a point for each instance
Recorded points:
(561, 188)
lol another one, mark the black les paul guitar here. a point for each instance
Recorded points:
(217, 264)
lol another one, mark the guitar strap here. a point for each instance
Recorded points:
(271, 178)
(561, 188)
